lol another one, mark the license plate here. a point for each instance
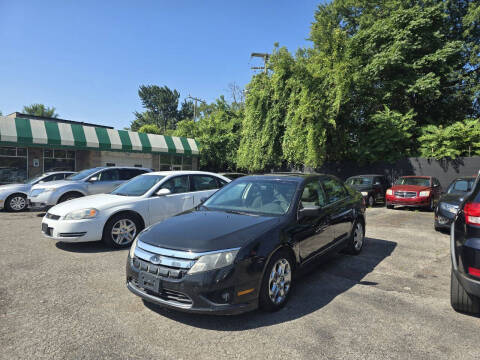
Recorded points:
(149, 282)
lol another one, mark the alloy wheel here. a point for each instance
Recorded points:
(18, 203)
(371, 201)
(124, 231)
(279, 281)
(358, 237)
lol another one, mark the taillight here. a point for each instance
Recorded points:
(472, 213)
(474, 271)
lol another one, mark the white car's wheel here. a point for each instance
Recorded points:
(121, 230)
(16, 202)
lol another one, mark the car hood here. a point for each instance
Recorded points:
(53, 184)
(409, 188)
(201, 231)
(99, 202)
(454, 199)
(15, 187)
(362, 187)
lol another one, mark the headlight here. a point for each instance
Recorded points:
(424, 193)
(364, 193)
(389, 192)
(449, 207)
(214, 261)
(132, 248)
(81, 214)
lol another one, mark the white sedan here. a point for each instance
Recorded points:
(116, 218)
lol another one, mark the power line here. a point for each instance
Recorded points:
(195, 105)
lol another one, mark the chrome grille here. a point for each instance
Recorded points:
(405, 194)
(160, 270)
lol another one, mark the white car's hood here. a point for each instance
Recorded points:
(52, 184)
(15, 187)
(99, 202)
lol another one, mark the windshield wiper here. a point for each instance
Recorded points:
(240, 212)
(121, 194)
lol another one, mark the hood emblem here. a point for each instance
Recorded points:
(156, 260)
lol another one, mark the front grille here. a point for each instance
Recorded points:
(405, 194)
(52, 217)
(171, 296)
(77, 234)
(163, 271)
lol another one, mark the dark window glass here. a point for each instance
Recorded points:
(21, 151)
(60, 176)
(109, 175)
(59, 154)
(334, 190)
(165, 167)
(13, 170)
(313, 195)
(49, 178)
(58, 164)
(71, 154)
(177, 159)
(8, 151)
(165, 159)
(127, 174)
(177, 185)
(203, 182)
(47, 153)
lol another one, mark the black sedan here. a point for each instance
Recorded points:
(240, 248)
(465, 251)
(372, 187)
(448, 204)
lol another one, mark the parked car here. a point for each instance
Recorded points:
(372, 187)
(87, 182)
(233, 176)
(465, 251)
(116, 218)
(448, 205)
(13, 197)
(240, 248)
(416, 191)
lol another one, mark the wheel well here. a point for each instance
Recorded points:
(17, 193)
(289, 250)
(127, 212)
(71, 192)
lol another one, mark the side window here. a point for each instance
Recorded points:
(176, 185)
(60, 176)
(334, 189)
(127, 174)
(203, 182)
(221, 182)
(50, 178)
(313, 195)
(109, 175)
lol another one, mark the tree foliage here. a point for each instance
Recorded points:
(150, 129)
(40, 110)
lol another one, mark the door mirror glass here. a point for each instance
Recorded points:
(93, 179)
(308, 212)
(163, 192)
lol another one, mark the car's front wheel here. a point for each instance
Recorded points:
(277, 282)
(16, 203)
(121, 230)
(460, 300)
(371, 201)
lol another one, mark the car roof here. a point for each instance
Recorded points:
(465, 178)
(182, 172)
(366, 175)
(58, 172)
(297, 177)
(417, 176)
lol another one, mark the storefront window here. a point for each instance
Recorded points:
(175, 162)
(13, 165)
(165, 162)
(187, 162)
(58, 160)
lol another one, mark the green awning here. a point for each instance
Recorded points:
(33, 132)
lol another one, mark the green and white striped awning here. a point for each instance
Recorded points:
(32, 132)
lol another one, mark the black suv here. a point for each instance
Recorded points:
(240, 248)
(465, 251)
(372, 187)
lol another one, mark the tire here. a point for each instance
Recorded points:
(460, 300)
(371, 201)
(389, 206)
(357, 239)
(16, 203)
(431, 207)
(121, 229)
(69, 196)
(270, 299)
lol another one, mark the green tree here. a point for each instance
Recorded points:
(150, 129)
(40, 110)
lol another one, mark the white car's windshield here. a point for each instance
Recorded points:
(413, 181)
(266, 197)
(138, 185)
(82, 174)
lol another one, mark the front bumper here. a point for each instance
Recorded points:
(43, 200)
(443, 219)
(73, 230)
(414, 202)
(197, 293)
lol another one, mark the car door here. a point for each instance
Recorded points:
(313, 233)
(340, 205)
(104, 181)
(180, 199)
(203, 186)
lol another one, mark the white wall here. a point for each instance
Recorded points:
(126, 159)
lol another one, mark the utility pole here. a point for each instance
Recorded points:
(195, 105)
(265, 58)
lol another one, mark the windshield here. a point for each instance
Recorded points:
(138, 185)
(82, 174)
(461, 186)
(413, 181)
(266, 197)
(359, 181)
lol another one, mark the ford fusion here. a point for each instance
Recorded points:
(240, 248)
(116, 218)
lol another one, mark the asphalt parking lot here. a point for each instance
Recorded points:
(69, 301)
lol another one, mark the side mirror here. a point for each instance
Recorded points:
(163, 192)
(308, 212)
(203, 199)
(93, 179)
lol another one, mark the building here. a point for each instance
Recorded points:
(31, 145)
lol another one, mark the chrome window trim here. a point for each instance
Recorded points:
(178, 253)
